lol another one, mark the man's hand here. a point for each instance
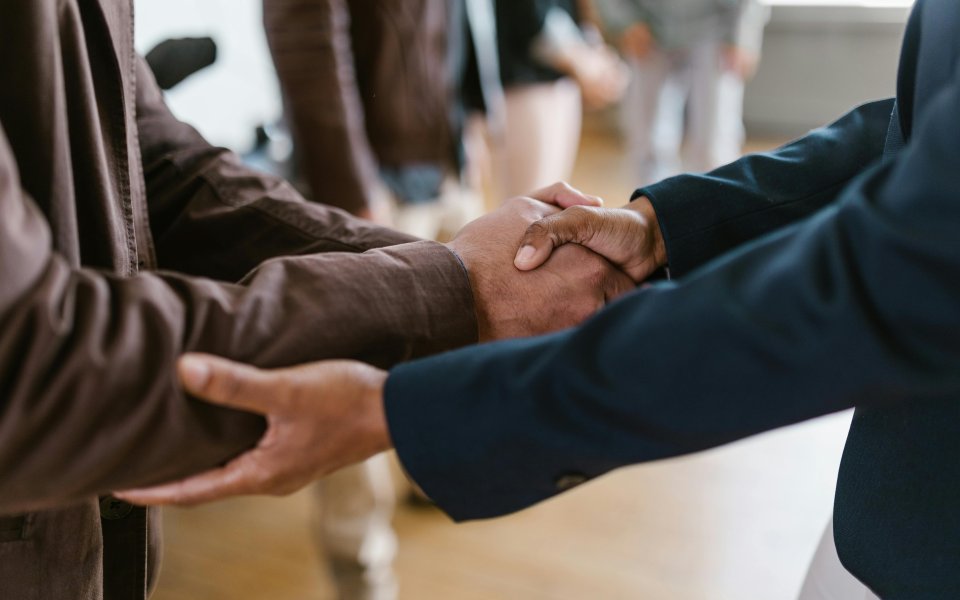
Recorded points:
(320, 417)
(573, 284)
(628, 237)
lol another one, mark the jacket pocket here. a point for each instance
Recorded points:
(13, 529)
(19, 559)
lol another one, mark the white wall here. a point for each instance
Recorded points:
(821, 60)
(821, 57)
(228, 100)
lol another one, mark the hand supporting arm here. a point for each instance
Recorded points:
(88, 397)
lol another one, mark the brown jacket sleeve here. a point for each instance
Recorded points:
(311, 44)
(88, 397)
(212, 216)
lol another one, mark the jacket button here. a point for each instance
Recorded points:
(569, 481)
(112, 509)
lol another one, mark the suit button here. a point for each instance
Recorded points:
(112, 509)
(569, 481)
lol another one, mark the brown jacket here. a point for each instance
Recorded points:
(366, 83)
(100, 189)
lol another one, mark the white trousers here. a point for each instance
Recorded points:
(354, 509)
(827, 579)
(541, 136)
(670, 89)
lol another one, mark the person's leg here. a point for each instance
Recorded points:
(354, 529)
(827, 579)
(652, 116)
(541, 136)
(715, 112)
(731, 135)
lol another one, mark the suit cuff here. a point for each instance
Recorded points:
(461, 426)
(675, 211)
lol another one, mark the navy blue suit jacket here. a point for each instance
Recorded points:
(821, 276)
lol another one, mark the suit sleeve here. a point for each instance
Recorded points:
(703, 216)
(310, 42)
(89, 400)
(855, 306)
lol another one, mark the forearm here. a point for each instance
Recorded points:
(703, 216)
(89, 398)
(779, 333)
(91, 384)
(818, 317)
(212, 216)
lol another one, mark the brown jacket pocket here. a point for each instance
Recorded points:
(13, 529)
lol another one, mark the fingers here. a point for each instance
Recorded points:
(564, 195)
(237, 478)
(616, 284)
(542, 237)
(220, 381)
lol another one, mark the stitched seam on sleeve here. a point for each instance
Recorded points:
(758, 211)
(260, 209)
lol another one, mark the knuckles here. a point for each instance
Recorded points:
(536, 231)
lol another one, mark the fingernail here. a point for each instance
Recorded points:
(524, 255)
(194, 372)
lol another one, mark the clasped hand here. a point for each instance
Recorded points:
(327, 415)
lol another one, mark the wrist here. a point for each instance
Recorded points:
(482, 313)
(644, 207)
(373, 426)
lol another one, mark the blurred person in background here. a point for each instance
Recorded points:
(552, 65)
(690, 60)
(127, 239)
(373, 93)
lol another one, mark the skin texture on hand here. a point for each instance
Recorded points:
(570, 286)
(628, 237)
(320, 417)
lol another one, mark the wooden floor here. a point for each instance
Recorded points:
(737, 523)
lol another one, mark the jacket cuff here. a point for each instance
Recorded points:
(676, 212)
(443, 296)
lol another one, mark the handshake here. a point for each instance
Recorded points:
(537, 264)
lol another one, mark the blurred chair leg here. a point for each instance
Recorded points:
(354, 530)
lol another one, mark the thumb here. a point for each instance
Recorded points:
(543, 236)
(221, 381)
